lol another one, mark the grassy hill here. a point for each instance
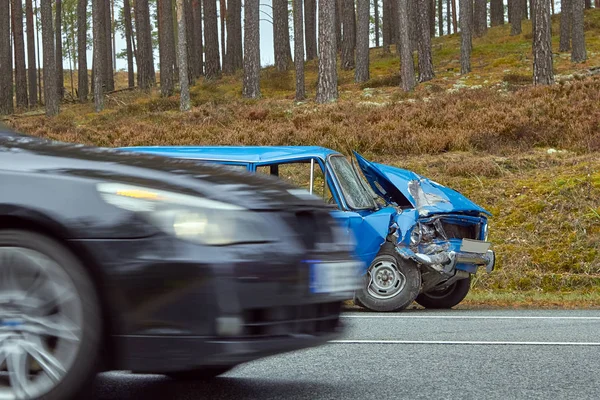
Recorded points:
(531, 155)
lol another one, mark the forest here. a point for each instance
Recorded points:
(171, 44)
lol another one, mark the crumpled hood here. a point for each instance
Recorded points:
(397, 185)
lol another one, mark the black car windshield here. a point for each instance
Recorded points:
(354, 191)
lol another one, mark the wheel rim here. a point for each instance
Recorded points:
(41, 317)
(385, 280)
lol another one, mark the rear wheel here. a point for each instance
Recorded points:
(199, 374)
(448, 297)
(49, 319)
(390, 284)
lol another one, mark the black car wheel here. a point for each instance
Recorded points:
(448, 297)
(49, 319)
(390, 284)
(199, 374)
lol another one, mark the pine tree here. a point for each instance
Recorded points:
(50, 76)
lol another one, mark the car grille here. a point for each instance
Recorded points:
(312, 319)
(456, 231)
(312, 227)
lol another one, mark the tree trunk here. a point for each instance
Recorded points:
(145, 59)
(234, 34)
(395, 26)
(431, 18)
(101, 9)
(114, 39)
(448, 17)
(413, 29)
(211, 40)
(6, 79)
(597, 3)
(188, 13)
(19, 50)
(525, 11)
(226, 38)
(327, 90)
(466, 43)
(376, 15)
(251, 88)
(32, 70)
(387, 30)
(407, 67)
(454, 17)
(310, 28)
(533, 20)
(281, 35)
(349, 36)
(199, 41)
(223, 16)
(60, 83)
(497, 12)
(99, 52)
(440, 10)
(566, 13)
(50, 78)
(578, 54)
(299, 49)
(361, 74)
(182, 56)
(166, 38)
(543, 73)
(338, 24)
(588, 4)
(128, 42)
(109, 82)
(516, 18)
(425, 61)
(82, 29)
(480, 17)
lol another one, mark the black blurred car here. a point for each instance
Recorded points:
(116, 261)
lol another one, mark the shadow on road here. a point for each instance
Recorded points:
(157, 387)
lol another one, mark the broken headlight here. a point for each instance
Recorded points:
(423, 233)
(415, 236)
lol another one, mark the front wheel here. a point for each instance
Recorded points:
(390, 284)
(448, 297)
(49, 319)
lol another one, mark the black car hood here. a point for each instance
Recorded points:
(34, 155)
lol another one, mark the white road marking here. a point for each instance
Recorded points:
(467, 317)
(466, 342)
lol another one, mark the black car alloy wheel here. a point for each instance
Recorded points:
(49, 319)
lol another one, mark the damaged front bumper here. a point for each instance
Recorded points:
(462, 255)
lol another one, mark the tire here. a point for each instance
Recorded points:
(447, 298)
(76, 292)
(400, 292)
(200, 374)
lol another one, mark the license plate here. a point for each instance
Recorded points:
(474, 246)
(334, 277)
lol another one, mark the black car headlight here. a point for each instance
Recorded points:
(188, 217)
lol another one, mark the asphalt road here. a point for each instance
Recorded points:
(412, 355)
